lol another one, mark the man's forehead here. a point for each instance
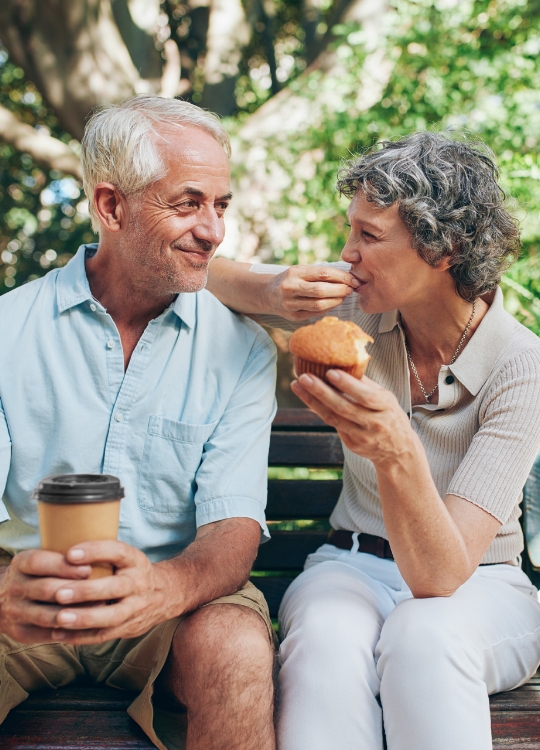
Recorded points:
(190, 143)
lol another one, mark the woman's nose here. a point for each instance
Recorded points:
(350, 254)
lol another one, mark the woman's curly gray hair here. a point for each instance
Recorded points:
(449, 200)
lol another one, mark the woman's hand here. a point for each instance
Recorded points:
(303, 292)
(367, 417)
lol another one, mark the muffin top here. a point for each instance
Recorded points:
(330, 341)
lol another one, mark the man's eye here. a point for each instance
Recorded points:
(369, 236)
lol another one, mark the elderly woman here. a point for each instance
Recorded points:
(417, 603)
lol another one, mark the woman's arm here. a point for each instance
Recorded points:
(436, 543)
(296, 293)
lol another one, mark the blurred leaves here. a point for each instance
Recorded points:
(470, 65)
(44, 215)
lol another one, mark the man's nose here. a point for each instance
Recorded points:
(210, 228)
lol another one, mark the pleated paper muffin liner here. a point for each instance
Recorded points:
(304, 366)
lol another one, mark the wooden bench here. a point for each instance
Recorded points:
(90, 718)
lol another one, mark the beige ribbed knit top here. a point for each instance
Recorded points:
(480, 439)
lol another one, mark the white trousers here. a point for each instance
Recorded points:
(355, 640)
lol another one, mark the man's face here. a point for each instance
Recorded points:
(176, 225)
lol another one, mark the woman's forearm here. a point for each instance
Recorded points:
(239, 289)
(428, 545)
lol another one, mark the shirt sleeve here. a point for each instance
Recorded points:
(232, 478)
(5, 460)
(275, 321)
(502, 452)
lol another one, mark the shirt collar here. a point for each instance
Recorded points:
(474, 365)
(72, 288)
(388, 321)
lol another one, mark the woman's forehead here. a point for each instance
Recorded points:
(367, 212)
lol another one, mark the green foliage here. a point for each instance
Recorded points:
(467, 65)
(470, 64)
(43, 215)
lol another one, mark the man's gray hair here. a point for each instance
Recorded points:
(118, 144)
(449, 200)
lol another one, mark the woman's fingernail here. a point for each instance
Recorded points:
(66, 618)
(333, 375)
(305, 380)
(76, 554)
(64, 595)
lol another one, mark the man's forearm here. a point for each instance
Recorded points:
(236, 287)
(215, 564)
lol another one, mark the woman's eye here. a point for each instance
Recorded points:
(369, 236)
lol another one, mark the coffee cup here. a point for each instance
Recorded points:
(75, 508)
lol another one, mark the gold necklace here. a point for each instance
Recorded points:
(427, 396)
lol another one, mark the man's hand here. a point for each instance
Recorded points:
(28, 608)
(303, 292)
(40, 588)
(124, 605)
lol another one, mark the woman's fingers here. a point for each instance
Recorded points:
(365, 392)
(337, 413)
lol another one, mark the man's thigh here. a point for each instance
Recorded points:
(128, 664)
(25, 668)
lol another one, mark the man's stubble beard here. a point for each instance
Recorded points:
(164, 277)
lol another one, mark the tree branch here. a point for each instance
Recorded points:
(47, 151)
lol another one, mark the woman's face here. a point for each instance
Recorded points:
(390, 271)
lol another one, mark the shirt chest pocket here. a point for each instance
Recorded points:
(171, 457)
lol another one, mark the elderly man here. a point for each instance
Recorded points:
(120, 364)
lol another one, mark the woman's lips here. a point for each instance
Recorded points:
(361, 282)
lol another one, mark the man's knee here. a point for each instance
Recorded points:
(223, 645)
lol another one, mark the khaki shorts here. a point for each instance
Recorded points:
(128, 664)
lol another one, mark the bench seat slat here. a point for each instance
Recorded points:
(312, 449)
(287, 550)
(27, 729)
(301, 498)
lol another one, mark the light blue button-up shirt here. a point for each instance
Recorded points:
(186, 427)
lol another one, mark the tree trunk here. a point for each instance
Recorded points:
(72, 51)
(228, 33)
(48, 152)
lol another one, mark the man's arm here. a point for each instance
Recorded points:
(37, 596)
(295, 293)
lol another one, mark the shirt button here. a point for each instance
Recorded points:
(449, 379)
(119, 416)
(93, 307)
(110, 344)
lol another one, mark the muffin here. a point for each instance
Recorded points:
(330, 344)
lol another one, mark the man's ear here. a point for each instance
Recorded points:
(110, 206)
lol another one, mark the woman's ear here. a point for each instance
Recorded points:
(446, 262)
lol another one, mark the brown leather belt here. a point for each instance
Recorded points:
(373, 545)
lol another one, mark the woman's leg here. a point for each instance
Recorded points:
(440, 658)
(331, 618)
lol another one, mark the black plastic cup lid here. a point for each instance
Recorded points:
(78, 488)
